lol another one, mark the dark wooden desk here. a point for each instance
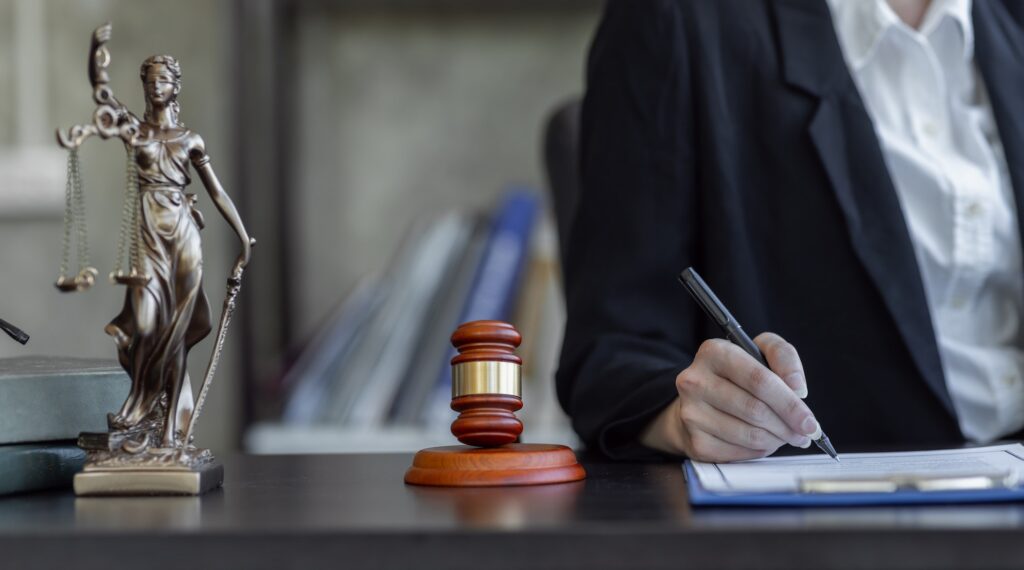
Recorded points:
(354, 512)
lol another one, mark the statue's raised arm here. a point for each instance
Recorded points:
(111, 118)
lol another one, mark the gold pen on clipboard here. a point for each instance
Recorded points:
(896, 483)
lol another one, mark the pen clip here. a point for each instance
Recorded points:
(704, 296)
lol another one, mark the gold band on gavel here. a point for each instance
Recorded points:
(486, 377)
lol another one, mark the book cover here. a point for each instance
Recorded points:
(34, 467)
(55, 398)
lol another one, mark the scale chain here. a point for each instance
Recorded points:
(65, 261)
(136, 227)
(79, 200)
(74, 216)
(122, 236)
(129, 219)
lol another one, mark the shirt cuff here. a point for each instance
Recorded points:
(620, 439)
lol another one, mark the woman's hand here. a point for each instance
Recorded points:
(240, 264)
(730, 407)
(246, 256)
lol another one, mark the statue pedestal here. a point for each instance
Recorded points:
(114, 467)
(157, 480)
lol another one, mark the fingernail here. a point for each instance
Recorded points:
(805, 442)
(811, 428)
(802, 392)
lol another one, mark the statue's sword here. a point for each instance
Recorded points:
(234, 284)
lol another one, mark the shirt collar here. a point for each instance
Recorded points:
(861, 24)
(959, 12)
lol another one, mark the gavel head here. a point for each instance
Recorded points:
(486, 383)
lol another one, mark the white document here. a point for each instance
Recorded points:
(785, 474)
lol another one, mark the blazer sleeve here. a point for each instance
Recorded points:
(630, 328)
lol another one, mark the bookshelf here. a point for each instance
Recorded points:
(376, 378)
(316, 235)
(476, 6)
(275, 439)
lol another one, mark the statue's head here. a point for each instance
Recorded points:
(161, 80)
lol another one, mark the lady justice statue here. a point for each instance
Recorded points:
(148, 448)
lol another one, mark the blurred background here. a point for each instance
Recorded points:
(388, 155)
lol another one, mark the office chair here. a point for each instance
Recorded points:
(561, 161)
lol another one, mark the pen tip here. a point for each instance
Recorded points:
(825, 445)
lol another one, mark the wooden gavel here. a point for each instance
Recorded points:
(487, 385)
(487, 391)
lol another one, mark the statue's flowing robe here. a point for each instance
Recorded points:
(164, 318)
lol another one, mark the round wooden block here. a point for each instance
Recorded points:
(513, 464)
(486, 340)
(487, 420)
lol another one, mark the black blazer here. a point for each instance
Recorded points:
(729, 135)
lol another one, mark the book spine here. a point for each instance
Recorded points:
(434, 344)
(54, 400)
(26, 468)
(426, 277)
(495, 284)
(310, 377)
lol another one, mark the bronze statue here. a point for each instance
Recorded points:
(165, 310)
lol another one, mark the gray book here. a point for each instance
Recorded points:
(405, 318)
(38, 466)
(55, 398)
(434, 341)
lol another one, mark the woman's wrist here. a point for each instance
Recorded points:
(665, 432)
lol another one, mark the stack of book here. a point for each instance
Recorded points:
(382, 359)
(44, 403)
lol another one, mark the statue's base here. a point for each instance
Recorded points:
(507, 465)
(109, 441)
(165, 480)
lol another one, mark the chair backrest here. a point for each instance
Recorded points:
(561, 160)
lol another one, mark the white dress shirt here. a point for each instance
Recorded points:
(935, 126)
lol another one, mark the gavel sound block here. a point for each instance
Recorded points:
(487, 391)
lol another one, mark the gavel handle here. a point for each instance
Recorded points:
(15, 333)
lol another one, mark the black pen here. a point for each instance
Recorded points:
(14, 332)
(714, 308)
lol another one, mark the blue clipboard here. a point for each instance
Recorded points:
(700, 497)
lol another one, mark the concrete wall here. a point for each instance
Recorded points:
(406, 112)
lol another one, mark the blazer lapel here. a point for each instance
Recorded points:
(842, 133)
(999, 51)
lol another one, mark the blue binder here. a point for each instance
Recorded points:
(700, 497)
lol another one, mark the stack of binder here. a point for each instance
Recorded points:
(382, 358)
(45, 402)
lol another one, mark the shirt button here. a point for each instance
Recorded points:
(1009, 380)
(974, 210)
(930, 129)
(959, 302)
